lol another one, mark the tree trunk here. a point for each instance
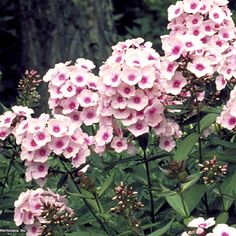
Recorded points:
(62, 30)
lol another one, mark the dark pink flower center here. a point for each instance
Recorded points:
(137, 100)
(56, 129)
(79, 79)
(193, 6)
(176, 50)
(200, 67)
(131, 77)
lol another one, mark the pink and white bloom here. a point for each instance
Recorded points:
(87, 98)
(104, 135)
(200, 67)
(139, 128)
(139, 101)
(192, 6)
(224, 230)
(175, 11)
(175, 85)
(166, 143)
(119, 144)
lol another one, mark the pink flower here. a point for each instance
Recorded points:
(139, 128)
(131, 76)
(41, 155)
(217, 15)
(58, 145)
(29, 143)
(175, 11)
(173, 48)
(175, 85)
(135, 57)
(220, 82)
(119, 144)
(80, 78)
(168, 69)
(58, 127)
(153, 114)
(7, 118)
(71, 150)
(166, 143)
(224, 230)
(192, 6)
(80, 158)
(126, 90)
(139, 101)
(118, 102)
(42, 137)
(33, 229)
(4, 132)
(84, 64)
(35, 170)
(22, 111)
(200, 67)
(104, 135)
(75, 117)
(89, 115)
(148, 78)
(69, 105)
(68, 89)
(87, 98)
(111, 76)
(200, 222)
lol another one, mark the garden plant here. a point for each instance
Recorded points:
(144, 147)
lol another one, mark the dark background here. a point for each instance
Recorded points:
(37, 34)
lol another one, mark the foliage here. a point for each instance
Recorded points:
(151, 172)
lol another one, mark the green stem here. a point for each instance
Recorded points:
(205, 199)
(85, 201)
(97, 202)
(149, 186)
(6, 177)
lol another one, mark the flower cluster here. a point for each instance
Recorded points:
(211, 171)
(202, 227)
(42, 136)
(73, 91)
(227, 118)
(201, 44)
(127, 199)
(131, 95)
(27, 89)
(37, 209)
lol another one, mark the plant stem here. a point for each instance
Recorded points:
(149, 186)
(6, 177)
(204, 200)
(85, 201)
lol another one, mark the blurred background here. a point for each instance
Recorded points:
(37, 34)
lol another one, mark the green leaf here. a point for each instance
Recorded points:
(208, 120)
(194, 179)
(105, 185)
(187, 201)
(222, 218)
(185, 146)
(222, 143)
(6, 203)
(162, 230)
(81, 233)
(228, 188)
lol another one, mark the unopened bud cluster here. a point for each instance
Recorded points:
(54, 216)
(175, 168)
(27, 89)
(126, 200)
(212, 171)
